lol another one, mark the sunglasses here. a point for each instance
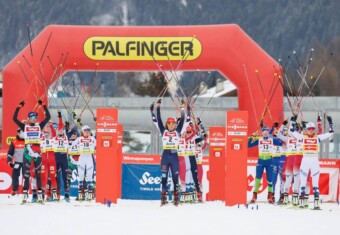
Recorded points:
(311, 128)
(33, 118)
(171, 123)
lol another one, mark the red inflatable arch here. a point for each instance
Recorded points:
(226, 48)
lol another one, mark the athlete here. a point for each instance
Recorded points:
(48, 171)
(310, 162)
(278, 160)
(170, 137)
(86, 145)
(265, 145)
(292, 148)
(32, 151)
(15, 156)
(60, 148)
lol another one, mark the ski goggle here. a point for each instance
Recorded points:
(311, 128)
(171, 123)
(33, 118)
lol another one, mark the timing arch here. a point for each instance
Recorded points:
(226, 48)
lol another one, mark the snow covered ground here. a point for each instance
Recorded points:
(147, 217)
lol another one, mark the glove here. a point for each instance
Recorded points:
(152, 107)
(94, 119)
(276, 124)
(330, 122)
(40, 102)
(256, 133)
(11, 164)
(74, 115)
(261, 123)
(293, 118)
(67, 125)
(319, 118)
(159, 102)
(285, 122)
(198, 121)
(59, 114)
(303, 124)
(21, 104)
(78, 120)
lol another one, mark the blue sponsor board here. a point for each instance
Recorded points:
(141, 182)
(32, 133)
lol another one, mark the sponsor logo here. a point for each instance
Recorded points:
(237, 139)
(328, 163)
(147, 179)
(234, 127)
(32, 134)
(9, 139)
(106, 124)
(292, 141)
(172, 134)
(237, 121)
(265, 142)
(217, 134)
(142, 48)
(106, 118)
(32, 128)
(309, 141)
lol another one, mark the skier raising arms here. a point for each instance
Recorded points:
(86, 146)
(265, 144)
(32, 151)
(310, 162)
(170, 137)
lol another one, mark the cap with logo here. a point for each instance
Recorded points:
(85, 128)
(171, 119)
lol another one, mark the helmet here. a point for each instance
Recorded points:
(85, 128)
(189, 128)
(310, 125)
(265, 128)
(171, 119)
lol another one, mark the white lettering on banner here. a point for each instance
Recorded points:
(5, 181)
(327, 163)
(241, 133)
(105, 124)
(106, 118)
(235, 127)
(217, 144)
(147, 179)
(237, 120)
(107, 130)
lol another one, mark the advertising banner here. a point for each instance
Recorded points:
(236, 158)
(141, 181)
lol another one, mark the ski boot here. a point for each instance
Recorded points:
(253, 200)
(163, 199)
(270, 198)
(40, 199)
(176, 199)
(34, 196)
(88, 195)
(183, 197)
(67, 197)
(285, 199)
(281, 199)
(24, 197)
(295, 200)
(13, 193)
(80, 195)
(199, 197)
(316, 198)
(306, 199)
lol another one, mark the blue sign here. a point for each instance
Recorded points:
(142, 182)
